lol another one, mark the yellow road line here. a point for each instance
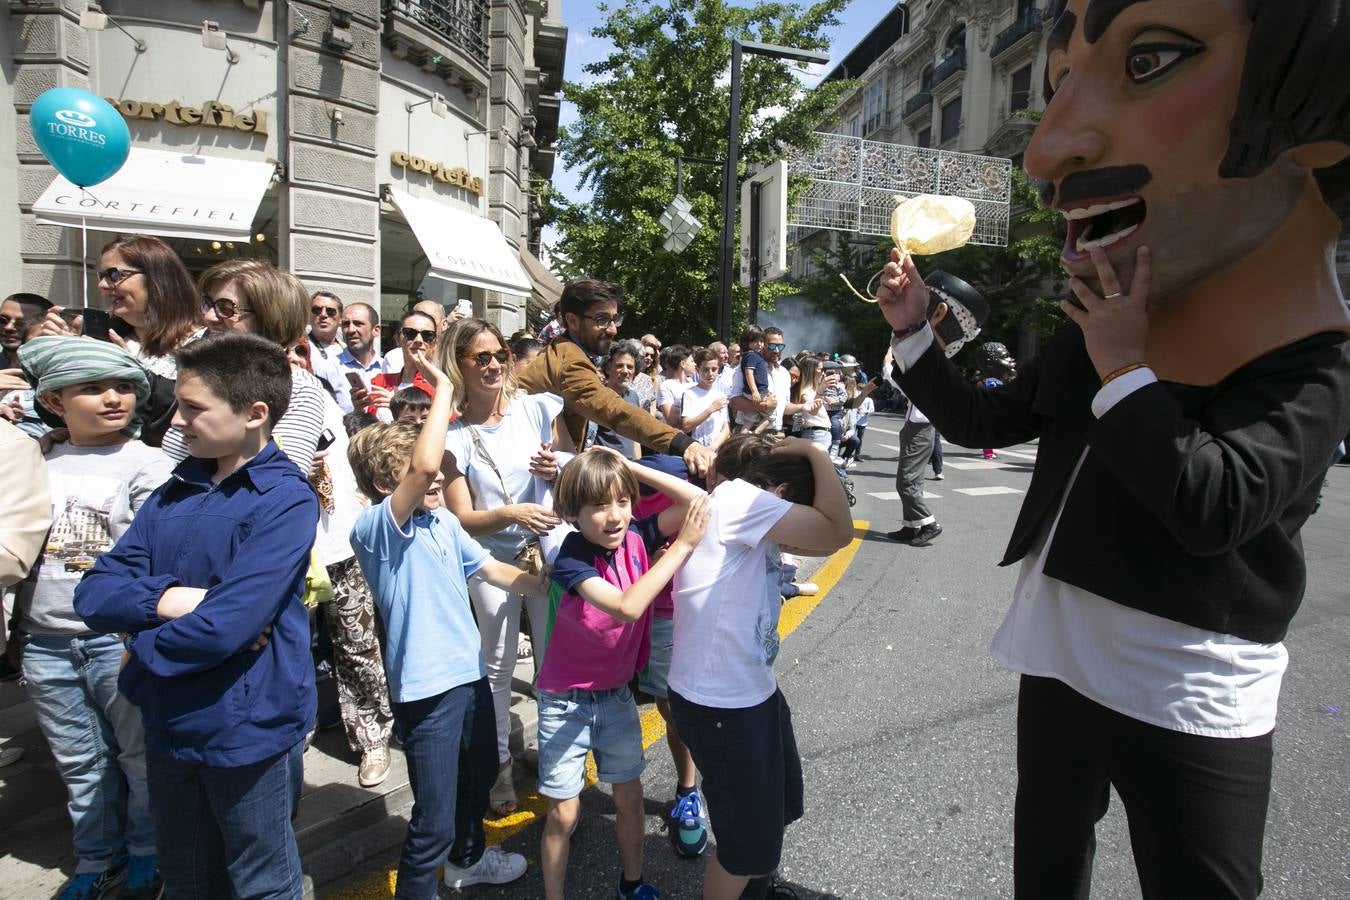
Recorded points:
(534, 807)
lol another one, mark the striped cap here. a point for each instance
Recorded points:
(60, 361)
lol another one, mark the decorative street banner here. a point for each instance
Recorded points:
(852, 185)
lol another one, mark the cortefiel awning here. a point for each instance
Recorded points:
(463, 248)
(547, 288)
(163, 193)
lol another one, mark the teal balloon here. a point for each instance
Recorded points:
(80, 133)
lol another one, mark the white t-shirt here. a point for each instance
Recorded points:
(511, 442)
(693, 402)
(727, 602)
(671, 391)
(335, 529)
(865, 410)
(724, 380)
(780, 382)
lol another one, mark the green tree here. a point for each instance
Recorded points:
(1017, 280)
(661, 94)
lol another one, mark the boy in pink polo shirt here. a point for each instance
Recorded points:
(599, 636)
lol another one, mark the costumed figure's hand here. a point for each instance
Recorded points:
(901, 293)
(1115, 326)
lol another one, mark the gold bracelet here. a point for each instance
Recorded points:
(1121, 371)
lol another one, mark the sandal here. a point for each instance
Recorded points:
(503, 799)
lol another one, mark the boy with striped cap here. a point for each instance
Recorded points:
(99, 479)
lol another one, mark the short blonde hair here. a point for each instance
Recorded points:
(592, 478)
(277, 299)
(379, 454)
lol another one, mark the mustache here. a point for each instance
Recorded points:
(1107, 182)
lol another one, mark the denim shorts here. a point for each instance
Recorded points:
(571, 723)
(652, 680)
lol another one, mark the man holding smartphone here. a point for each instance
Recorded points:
(361, 360)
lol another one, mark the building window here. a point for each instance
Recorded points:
(925, 138)
(956, 41)
(874, 106)
(1023, 6)
(951, 120)
(1021, 90)
(852, 129)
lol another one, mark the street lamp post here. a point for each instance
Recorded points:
(728, 256)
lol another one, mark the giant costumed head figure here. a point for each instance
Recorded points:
(1212, 132)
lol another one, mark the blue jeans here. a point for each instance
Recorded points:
(450, 742)
(226, 832)
(97, 741)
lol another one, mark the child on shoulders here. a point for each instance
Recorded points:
(600, 611)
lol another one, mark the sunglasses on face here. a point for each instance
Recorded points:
(323, 311)
(5, 321)
(223, 307)
(301, 350)
(779, 347)
(482, 360)
(412, 334)
(115, 276)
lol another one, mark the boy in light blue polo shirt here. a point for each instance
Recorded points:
(417, 559)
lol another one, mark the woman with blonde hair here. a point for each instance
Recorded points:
(499, 463)
(813, 423)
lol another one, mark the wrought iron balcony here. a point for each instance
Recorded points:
(462, 23)
(1027, 23)
(918, 102)
(953, 63)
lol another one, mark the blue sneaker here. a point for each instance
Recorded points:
(94, 885)
(688, 832)
(143, 880)
(643, 891)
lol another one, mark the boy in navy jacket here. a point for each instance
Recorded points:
(207, 584)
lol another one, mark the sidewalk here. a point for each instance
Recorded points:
(339, 826)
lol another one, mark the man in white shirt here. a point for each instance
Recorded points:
(361, 360)
(780, 383)
(325, 341)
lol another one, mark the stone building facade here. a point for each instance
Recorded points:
(361, 102)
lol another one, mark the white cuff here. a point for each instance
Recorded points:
(906, 351)
(1120, 388)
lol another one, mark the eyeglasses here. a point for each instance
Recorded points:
(329, 311)
(115, 276)
(604, 321)
(482, 359)
(223, 307)
(412, 334)
(779, 347)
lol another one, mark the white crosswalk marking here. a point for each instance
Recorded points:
(880, 430)
(892, 495)
(890, 447)
(987, 491)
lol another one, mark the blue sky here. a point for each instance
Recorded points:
(580, 16)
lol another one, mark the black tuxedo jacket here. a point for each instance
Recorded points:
(1190, 499)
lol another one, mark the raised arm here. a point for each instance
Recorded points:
(824, 526)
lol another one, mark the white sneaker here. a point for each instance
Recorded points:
(496, 866)
(374, 767)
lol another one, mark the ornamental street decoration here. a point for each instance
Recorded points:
(850, 184)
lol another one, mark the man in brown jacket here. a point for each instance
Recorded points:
(589, 311)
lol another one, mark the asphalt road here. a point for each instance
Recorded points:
(905, 722)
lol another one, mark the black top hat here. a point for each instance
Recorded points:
(952, 288)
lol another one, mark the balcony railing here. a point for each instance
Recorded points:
(463, 23)
(1027, 23)
(918, 102)
(955, 62)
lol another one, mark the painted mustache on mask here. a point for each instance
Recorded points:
(1111, 181)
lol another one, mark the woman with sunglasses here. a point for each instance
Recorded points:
(418, 332)
(499, 464)
(254, 296)
(153, 304)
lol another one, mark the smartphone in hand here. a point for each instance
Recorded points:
(97, 323)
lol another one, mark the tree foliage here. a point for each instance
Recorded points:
(663, 93)
(1020, 281)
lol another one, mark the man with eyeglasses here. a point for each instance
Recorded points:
(775, 403)
(325, 311)
(570, 367)
(18, 313)
(361, 360)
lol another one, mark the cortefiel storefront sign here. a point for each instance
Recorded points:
(441, 172)
(210, 114)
